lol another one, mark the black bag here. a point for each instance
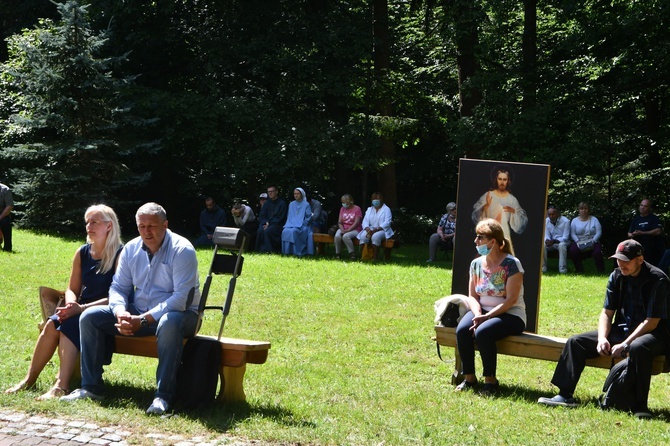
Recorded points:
(450, 316)
(198, 374)
(619, 389)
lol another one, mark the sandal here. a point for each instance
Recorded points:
(54, 392)
(23, 385)
(465, 385)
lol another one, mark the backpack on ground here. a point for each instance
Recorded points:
(198, 374)
(619, 389)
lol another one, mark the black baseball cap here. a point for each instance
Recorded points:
(628, 250)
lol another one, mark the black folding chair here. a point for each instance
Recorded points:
(231, 240)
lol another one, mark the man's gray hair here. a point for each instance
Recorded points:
(151, 209)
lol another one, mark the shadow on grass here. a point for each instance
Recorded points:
(219, 417)
(222, 417)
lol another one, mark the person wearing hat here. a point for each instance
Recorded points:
(446, 231)
(633, 323)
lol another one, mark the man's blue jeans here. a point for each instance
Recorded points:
(97, 325)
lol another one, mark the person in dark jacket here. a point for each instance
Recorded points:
(210, 217)
(633, 323)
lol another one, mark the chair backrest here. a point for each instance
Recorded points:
(225, 239)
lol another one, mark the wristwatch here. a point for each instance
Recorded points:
(626, 349)
(144, 322)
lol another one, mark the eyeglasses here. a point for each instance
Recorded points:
(481, 237)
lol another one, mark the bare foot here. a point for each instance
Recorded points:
(54, 392)
(23, 385)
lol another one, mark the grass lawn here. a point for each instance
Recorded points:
(351, 362)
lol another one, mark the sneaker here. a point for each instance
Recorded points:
(158, 407)
(558, 400)
(429, 261)
(643, 415)
(544, 269)
(465, 385)
(81, 394)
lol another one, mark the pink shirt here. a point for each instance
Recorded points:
(348, 216)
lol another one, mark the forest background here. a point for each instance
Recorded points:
(125, 101)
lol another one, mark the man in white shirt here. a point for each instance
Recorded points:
(556, 238)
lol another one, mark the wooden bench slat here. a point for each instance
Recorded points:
(321, 240)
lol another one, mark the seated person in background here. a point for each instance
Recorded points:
(348, 226)
(296, 238)
(376, 224)
(159, 269)
(556, 238)
(497, 307)
(92, 269)
(319, 216)
(446, 231)
(633, 323)
(210, 217)
(271, 221)
(245, 219)
(647, 229)
(585, 232)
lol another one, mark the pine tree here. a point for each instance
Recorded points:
(62, 136)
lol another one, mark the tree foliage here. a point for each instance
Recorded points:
(65, 113)
(231, 96)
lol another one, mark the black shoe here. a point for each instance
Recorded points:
(465, 385)
(490, 389)
(643, 414)
(558, 400)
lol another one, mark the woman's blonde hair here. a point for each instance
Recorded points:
(348, 198)
(492, 229)
(113, 241)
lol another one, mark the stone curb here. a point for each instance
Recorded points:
(17, 428)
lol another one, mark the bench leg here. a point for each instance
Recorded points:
(232, 384)
(320, 248)
(387, 253)
(457, 376)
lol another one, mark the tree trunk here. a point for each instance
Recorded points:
(529, 52)
(386, 177)
(467, 40)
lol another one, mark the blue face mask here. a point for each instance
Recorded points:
(376, 203)
(345, 205)
(483, 250)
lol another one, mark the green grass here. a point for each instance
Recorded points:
(351, 362)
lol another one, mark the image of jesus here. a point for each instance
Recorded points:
(499, 204)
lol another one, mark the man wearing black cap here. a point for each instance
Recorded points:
(633, 323)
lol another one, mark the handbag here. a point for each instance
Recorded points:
(50, 299)
(586, 245)
(450, 316)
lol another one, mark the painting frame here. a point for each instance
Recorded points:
(528, 185)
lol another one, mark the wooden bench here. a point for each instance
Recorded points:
(235, 355)
(531, 345)
(321, 240)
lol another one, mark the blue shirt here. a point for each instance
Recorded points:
(161, 283)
